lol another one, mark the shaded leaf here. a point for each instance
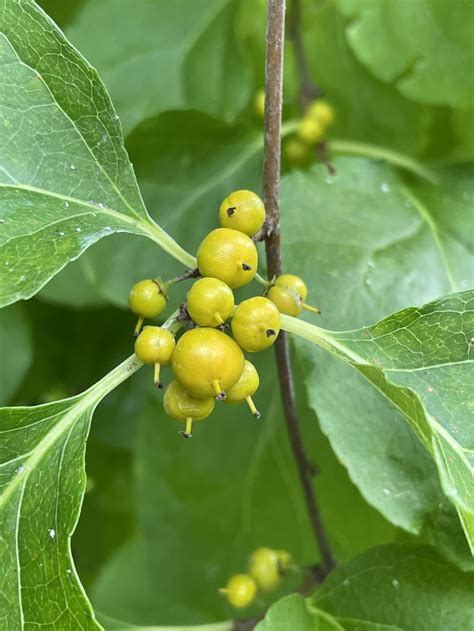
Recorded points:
(366, 109)
(426, 48)
(160, 55)
(15, 350)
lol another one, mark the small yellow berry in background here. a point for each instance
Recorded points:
(296, 151)
(181, 406)
(210, 302)
(245, 388)
(240, 590)
(259, 103)
(263, 568)
(310, 130)
(321, 111)
(155, 345)
(255, 324)
(289, 293)
(229, 255)
(147, 299)
(207, 362)
(243, 211)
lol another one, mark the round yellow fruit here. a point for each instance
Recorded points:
(229, 255)
(207, 362)
(210, 302)
(243, 211)
(255, 324)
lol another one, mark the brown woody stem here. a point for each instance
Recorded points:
(271, 192)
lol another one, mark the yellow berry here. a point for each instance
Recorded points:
(255, 324)
(322, 112)
(229, 255)
(243, 211)
(296, 151)
(240, 590)
(289, 293)
(310, 130)
(182, 406)
(155, 345)
(259, 103)
(207, 362)
(147, 299)
(263, 568)
(210, 302)
(245, 388)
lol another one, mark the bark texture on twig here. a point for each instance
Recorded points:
(271, 192)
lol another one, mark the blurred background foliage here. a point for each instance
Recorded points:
(183, 76)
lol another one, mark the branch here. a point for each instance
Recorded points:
(271, 192)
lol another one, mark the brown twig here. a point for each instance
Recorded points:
(271, 192)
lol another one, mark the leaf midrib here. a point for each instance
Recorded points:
(92, 209)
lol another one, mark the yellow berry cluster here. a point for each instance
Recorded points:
(311, 130)
(207, 363)
(266, 567)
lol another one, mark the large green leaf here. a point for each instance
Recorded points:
(15, 350)
(369, 243)
(65, 178)
(421, 360)
(42, 483)
(156, 55)
(388, 588)
(426, 48)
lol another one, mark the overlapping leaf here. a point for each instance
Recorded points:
(159, 55)
(426, 46)
(42, 483)
(65, 178)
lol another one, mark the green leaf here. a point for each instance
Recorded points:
(172, 55)
(62, 156)
(388, 588)
(367, 110)
(410, 587)
(365, 250)
(42, 483)
(295, 612)
(15, 350)
(426, 48)
(421, 360)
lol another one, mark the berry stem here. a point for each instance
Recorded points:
(138, 326)
(271, 192)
